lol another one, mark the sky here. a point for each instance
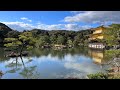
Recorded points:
(58, 20)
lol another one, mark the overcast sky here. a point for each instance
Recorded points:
(58, 20)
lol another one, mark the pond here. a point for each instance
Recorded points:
(53, 64)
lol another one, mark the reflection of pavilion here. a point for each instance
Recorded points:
(97, 56)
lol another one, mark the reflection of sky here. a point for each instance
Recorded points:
(75, 64)
(54, 67)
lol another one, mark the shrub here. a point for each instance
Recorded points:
(98, 76)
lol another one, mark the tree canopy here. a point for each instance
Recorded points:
(38, 37)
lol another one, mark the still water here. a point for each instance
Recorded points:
(53, 64)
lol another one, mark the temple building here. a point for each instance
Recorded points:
(95, 36)
(97, 33)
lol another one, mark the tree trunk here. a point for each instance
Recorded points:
(21, 50)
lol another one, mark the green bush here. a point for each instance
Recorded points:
(98, 76)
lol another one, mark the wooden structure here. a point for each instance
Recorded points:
(97, 33)
(97, 45)
(57, 46)
(95, 36)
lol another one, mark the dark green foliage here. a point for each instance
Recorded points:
(13, 34)
(110, 54)
(42, 40)
(70, 38)
(99, 75)
(3, 31)
(24, 40)
(112, 35)
(53, 39)
(44, 37)
(106, 75)
(60, 40)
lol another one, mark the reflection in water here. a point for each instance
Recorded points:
(2, 55)
(59, 53)
(97, 56)
(17, 64)
(1, 74)
(30, 73)
(48, 63)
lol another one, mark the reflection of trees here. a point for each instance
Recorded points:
(30, 73)
(2, 55)
(15, 66)
(60, 53)
(27, 72)
(57, 53)
(1, 74)
(39, 52)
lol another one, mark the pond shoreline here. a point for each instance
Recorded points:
(66, 61)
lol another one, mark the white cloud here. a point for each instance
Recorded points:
(26, 26)
(19, 25)
(88, 17)
(24, 18)
(30, 20)
(71, 26)
(80, 67)
(85, 27)
(101, 17)
(63, 27)
(76, 27)
(49, 27)
(77, 12)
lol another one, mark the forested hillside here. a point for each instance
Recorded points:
(62, 37)
(43, 37)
